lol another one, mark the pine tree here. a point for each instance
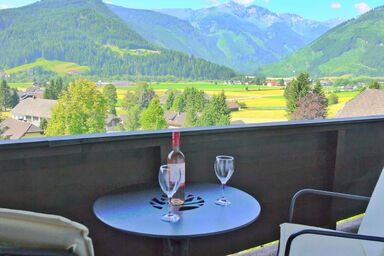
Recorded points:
(216, 113)
(296, 89)
(5, 96)
(170, 99)
(14, 98)
(110, 94)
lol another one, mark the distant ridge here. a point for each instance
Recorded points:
(354, 47)
(243, 38)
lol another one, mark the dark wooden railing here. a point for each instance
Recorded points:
(65, 175)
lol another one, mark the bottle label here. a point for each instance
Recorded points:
(173, 169)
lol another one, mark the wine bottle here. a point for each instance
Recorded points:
(176, 161)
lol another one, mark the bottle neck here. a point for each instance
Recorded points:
(176, 141)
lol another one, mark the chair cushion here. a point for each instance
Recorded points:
(373, 221)
(315, 245)
(36, 230)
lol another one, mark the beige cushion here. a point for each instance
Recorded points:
(315, 245)
(373, 221)
(43, 231)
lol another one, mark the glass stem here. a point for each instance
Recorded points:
(169, 205)
(222, 190)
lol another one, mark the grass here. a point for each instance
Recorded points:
(136, 52)
(20, 86)
(59, 67)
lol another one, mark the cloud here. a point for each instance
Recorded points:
(336, 5)
(362, 7)
(108, 1)
(5, 6)
(244, 2)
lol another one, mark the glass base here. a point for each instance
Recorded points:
(170, 217)
(223, 202)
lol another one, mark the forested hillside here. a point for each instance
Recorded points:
(354, 47)
(87, 33)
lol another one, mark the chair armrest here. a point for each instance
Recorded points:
(330, 233)
(322, 193)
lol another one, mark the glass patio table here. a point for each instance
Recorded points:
(139, 212)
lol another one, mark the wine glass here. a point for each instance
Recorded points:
(169, 183)
(224, 168)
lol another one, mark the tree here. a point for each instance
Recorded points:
(110, 94)
(145, 96)
(14, 98)
(54, 88)
(179, 103)
(318, 89)
(191, 119)
(194, 99)
(44, 124)
(81, 109)
(153, 117)
(5, 96)
(130, 100)
(141, 97)
(132, 122)
(311, 106)
(374, 85)
(170, 99)
(333, 99)
(296, 89)
(2, 130)
(216, 112)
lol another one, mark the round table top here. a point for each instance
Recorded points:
(140, 212)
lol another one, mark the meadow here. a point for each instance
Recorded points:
(261, 103)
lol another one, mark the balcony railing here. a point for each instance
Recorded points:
(65, 175)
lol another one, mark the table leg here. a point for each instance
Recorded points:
(174, 247)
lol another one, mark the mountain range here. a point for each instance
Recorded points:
(241, 37)
(354, 47)
(87, 33)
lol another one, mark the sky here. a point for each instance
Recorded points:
(312, 9)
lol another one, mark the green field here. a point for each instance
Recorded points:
(136, 52)
(263, 103)
(59, 67)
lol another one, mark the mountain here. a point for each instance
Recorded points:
(169, 32)
(87, 33)
(243, 38)
(353, 47)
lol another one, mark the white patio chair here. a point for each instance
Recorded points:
(29, 233)
(306, 240)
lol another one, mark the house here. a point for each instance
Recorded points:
(368, 103)
(326, 82)
(33, 110)
(112, 122)
(15, 129)
(34, 92)
(175, 119)
(233, 106)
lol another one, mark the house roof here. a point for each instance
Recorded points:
(15, 129)
(35, 107)
(176, 119)
(233, 105)
(111, 117)
(368, 103)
